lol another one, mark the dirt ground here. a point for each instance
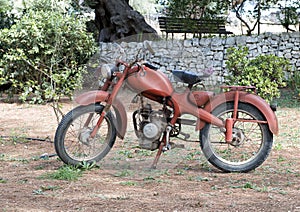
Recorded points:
(183, 180)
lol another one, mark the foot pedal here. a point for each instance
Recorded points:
(186, 135)
(172, 145)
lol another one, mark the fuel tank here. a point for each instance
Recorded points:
(151, 82)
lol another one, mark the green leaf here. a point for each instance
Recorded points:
(266, 72)
(47, 47)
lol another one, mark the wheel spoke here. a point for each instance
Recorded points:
(86, 148)
(251, 141)
(73, 140)
(243, 150)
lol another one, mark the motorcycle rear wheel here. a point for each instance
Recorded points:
(72, 141)
(251, 145)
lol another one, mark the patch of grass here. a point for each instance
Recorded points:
(280, 159)
(23, 181)
(36, 158)
(249, 185)
(2, 157)
(128, 183)
(179, 172)
(2, 180)
(279, 190)
(263, 189)
(69, 173)
(198, 178)
(191, 155)
(283, 192)
(149, 178)
(143, 152)
(38, 192)
(166, 172)
(278, 146)
(288, 98)
(288, 128)
(39, 167)
(126, 153)
(253, 186)
(115, 158)
(50, 188)
(85, 166)
(205, 165)
(164, 181)
(215, 187)
(123, 173)
(16, 135)
(43, 189)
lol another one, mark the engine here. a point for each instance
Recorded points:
(149, 126)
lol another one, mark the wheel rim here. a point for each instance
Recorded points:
(78, 144)
(247, 140)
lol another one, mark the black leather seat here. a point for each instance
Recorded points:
(187, 77)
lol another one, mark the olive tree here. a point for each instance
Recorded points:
(117, 20)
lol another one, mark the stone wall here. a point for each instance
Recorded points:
(198, 55)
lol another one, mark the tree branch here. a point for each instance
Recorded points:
(239, 16)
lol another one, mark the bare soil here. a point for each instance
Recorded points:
(183, 180)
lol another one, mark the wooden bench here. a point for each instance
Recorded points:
(197, 27)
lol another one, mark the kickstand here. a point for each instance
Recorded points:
(160, 150)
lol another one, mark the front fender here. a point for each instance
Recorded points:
(92, 97)
(244, 97)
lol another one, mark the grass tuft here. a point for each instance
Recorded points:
(288, 98)
(69, 173)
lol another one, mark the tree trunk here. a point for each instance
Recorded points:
(116, 19)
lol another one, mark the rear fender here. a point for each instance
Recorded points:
(244, 97)
(93, 97)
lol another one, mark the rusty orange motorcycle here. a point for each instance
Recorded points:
(235, 126)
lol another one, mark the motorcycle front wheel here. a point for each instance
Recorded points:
(73, 142)
(251, 144)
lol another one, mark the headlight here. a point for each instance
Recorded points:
(121, 68)
(106, 71)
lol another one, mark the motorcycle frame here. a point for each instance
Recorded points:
(180, 103)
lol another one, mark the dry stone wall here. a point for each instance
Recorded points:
(206, 54)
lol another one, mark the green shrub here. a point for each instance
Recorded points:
(4, 5)
(44, 53)
(265, 72)
(6, 15)
(294, 82)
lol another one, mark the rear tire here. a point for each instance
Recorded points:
(252, 144)
(72, 140)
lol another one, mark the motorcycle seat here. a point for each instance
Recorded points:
(188, 77)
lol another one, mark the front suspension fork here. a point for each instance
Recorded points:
(99, 122)
(229, 122)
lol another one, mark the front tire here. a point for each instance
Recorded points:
(72, 141)
(250, 147)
